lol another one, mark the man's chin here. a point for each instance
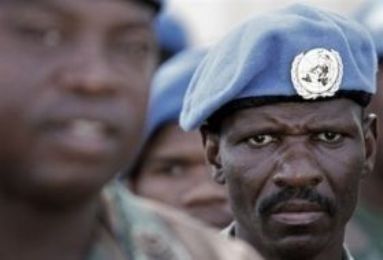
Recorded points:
(61, 197)
(292, 234)
(57, 190)
(301, 247)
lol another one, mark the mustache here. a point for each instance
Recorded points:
(303, 193)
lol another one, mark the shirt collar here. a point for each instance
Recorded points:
(229, 232)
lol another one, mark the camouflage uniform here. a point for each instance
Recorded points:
(134, 229)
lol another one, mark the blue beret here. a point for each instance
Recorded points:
(171, 34)
(169, 87)
(371, 15)
(299, 51)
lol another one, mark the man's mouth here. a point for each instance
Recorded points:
(87, 129)
(297, 212)
(81, 136)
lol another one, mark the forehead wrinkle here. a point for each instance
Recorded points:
(296, 116)
(346, 120)
(265, 118)
(45, 4)
(338, 121)
(26, 4)
(349, 118)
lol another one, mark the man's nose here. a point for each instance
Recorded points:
(296, 170)
(87, 72)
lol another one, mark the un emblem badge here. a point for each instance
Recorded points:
(317, 73)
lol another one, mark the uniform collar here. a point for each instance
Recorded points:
(229, 232)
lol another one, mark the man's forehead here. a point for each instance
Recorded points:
(172, 140)
(148, 4)
(99, 12)
(337, 112)
(156, 4)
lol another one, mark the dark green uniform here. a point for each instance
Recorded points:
(131, 228)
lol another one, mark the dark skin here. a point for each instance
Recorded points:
(174, 171)
(310, 152)
(75, 76)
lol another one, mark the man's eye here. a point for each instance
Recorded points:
(47, 36)
(260, 140)
(134, 49)
(329, 137)
(171, 171)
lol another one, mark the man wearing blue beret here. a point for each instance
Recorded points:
(365, 231)
(74, 80)
(172, 167)
(280, 103)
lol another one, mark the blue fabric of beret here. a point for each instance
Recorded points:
(255, 59)
(370, 14)
(170, 32)
(169, 87)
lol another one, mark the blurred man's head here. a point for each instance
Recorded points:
(172, 167)
(280, 102)
(75, 77)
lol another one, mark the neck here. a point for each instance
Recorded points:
(331, 249)
(37, 232)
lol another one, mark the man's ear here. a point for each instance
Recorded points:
(370, 131)
(212, 153)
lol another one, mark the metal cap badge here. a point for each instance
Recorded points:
(317, 73)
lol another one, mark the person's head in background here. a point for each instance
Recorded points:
(172, 166)
(171, 35)
(371, 16)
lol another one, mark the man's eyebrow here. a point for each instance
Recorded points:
(39, 3)
(130, 25)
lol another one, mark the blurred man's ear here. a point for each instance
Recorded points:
(370, 131)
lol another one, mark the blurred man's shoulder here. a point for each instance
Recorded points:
(162, 231)
(204, 241)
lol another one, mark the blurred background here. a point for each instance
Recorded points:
(207, 20)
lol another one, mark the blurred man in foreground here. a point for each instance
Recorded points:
(75, 78)
(172, 168)
(280, 103)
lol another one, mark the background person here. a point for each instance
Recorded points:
(172, 168)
